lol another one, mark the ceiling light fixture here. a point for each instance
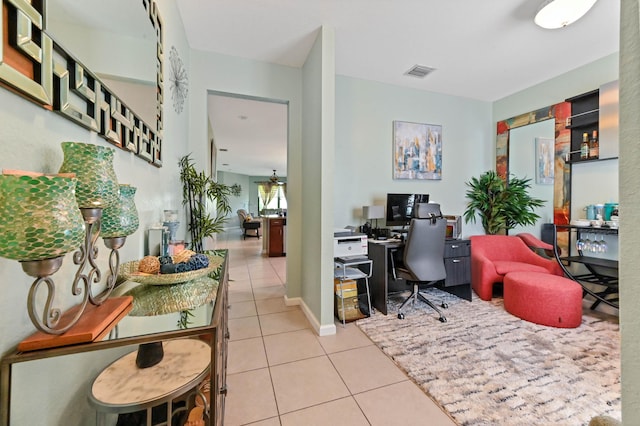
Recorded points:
(555, 14)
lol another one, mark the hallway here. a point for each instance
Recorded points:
(281, 373)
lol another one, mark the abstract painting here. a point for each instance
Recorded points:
(417, 151)
(545, 155)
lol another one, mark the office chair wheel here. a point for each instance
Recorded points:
(444, 305)
(400, 316)
(442, 319)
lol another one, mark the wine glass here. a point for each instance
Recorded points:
(587, 244)
(595, 244)
(580, 243)
(603, 244)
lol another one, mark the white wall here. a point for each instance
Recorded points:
(221, 73)
(239, 202)
(630, 207)
(365, 112)
(55, 392)
(318, 135)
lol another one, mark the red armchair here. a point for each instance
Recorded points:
(493, 256)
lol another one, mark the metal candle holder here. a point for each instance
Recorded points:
(85, 257)
(41, 220)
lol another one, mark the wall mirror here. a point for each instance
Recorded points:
(49, 55)
(523, 161)
(521, 127)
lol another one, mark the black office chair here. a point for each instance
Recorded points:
(423, 257)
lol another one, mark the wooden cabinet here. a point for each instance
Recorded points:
(457, 262)
(277, 227)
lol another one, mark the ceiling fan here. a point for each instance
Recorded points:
(273, 179)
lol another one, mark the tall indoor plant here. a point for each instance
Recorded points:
(198, 190)
(500, 205)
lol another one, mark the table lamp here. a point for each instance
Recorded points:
(373, 212)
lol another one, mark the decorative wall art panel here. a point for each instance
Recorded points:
(34, 65)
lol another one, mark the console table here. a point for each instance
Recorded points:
(457, 258)
(117, 389)
(213, 331)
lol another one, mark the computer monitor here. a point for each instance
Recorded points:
(400, 207)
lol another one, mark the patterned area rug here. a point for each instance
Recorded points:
(487, 367)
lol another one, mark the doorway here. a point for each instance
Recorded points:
(248, 144)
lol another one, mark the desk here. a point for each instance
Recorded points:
(457, 264)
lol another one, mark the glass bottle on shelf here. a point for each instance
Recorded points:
(584, 146)
(594, 146)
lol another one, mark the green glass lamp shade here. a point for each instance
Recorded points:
(39, 217)
(121, 218)
(93, 166)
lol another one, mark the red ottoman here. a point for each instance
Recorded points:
(542, 298)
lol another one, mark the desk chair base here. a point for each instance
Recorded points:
(414, 296)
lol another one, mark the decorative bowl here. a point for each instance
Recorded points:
(161, 300)
(129, 271)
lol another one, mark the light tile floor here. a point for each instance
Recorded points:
(280, 372)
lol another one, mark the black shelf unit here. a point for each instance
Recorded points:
(591, 160)
(585, 114)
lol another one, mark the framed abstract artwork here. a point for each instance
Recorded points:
(545, 152)
(417, 151)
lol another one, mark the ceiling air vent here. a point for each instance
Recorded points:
(419, 71)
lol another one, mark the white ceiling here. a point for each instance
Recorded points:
(254, 133)
(482, 50)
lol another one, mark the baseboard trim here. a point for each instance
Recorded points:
(321, 330)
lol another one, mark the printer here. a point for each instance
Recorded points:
(349, 244)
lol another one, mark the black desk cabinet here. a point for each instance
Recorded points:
(457, 262)
(457, 258)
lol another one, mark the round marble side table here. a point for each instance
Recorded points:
(122, 387)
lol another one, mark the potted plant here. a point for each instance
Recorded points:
(197, 190)
(500, 205)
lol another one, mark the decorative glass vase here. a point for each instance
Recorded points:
(120, 219)
(39, 217)
(93, 165)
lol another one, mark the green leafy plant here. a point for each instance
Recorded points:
(501, 206)
(198, 190)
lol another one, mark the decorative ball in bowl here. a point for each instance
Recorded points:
(131, 271)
